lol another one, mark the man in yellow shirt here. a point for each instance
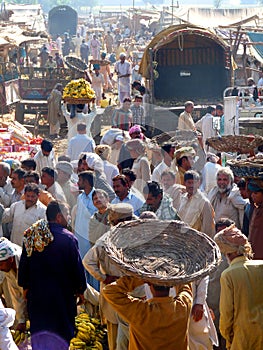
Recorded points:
(185, 121)
(158, 323)
(241, 299)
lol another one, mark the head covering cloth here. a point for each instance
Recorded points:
(7, 249)
(232, 240)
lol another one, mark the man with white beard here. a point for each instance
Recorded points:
(226, 198)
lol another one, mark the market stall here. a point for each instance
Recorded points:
(16, 142)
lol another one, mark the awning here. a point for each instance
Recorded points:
(3, 42)
(257, 48)
(13, 35)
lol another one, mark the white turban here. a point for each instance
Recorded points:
(94, 162)
(7, 249)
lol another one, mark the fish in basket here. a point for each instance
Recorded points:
(162, 252)
(76, 64)
(235, 143)
(78, 91)
(248, 168)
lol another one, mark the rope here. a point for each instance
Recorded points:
(181, 41)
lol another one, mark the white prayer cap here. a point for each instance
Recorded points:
(64, 166)
(7, 249)
(122, 54)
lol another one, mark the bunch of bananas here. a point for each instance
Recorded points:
(78, 88)
(19, 337)
(89, 333)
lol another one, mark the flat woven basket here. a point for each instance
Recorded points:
(235, 143)
(162, 252)
(250, 167)
(75, 64)
(77, 101)
(180, 137)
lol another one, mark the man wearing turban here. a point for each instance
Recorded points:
(241, 299)
(10, 254)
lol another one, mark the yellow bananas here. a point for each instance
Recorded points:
(89, 333)
(78, 88)
(19, 337)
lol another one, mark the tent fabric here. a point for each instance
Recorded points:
(168, 35)
(13, 35)
(3, 42)
(256, 50)
(216, 17)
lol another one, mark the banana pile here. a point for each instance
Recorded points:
(78, 88)
(19, 337)
(89, 333)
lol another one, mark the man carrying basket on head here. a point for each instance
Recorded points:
(159, 323)
(153, 251)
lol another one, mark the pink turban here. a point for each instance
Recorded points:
(136, 129)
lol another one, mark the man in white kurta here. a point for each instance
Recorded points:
(209, 172)
(206, 126)
(197, 212)
(6, 188)
(123, 70)
(226, 198)
(80, 143)
(202, 331)
(174, 190)
(48, 177)
(45, 157)
(24, 213)
(195, 208)
(80, 117)
(167, 151)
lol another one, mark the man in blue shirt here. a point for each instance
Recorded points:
(84, 210)
(121, 189)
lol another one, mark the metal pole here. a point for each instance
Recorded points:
(172, 12)
(151, 76)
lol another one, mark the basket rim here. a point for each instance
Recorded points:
(72, 66)
(208, 252)
(235, 143)
(77, 101)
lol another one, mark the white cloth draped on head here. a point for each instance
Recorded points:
(7, 249)
(94, 162)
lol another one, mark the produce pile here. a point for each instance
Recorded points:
(89, 333)
(20, 337)
(16, 141)
(78, 89)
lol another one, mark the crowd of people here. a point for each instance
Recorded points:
(56, 213)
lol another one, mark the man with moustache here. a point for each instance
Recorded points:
(226, 199)
(122, 191)
(23, 213)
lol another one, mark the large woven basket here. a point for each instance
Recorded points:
(162, 252)
(75, 64)
(235, 143)
(77, 101)
(179, 137)
(250, 167)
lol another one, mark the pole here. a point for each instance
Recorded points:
(172, 12)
